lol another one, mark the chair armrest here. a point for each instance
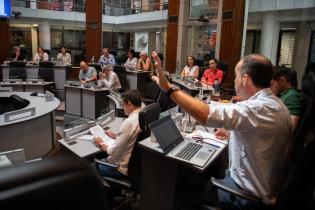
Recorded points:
(105, 162)
(220, 184)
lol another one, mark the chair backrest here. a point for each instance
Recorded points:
(224, 67)
(64, 181)
(17, 70)
(147, 115)
(122, 79)
(46, 71)
(152, 91)
(119, 69)
(298, 191)
(165, 102)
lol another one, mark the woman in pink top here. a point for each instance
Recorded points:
(212, 73)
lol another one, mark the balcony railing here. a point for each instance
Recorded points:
(111, 9)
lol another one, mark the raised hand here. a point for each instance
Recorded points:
(160, 79)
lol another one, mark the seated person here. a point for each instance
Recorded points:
(131, 62)
(283, 84)
(108, 78)
(191, 69)
(119, 153)
(87, 73)
(106, 58)
(212, 73)
(40, 55)
(144, 62)
(64, 56)
(17, 55)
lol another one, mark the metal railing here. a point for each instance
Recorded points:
(111, 9)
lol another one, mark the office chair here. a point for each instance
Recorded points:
(224, 67)
(151, 94)
(97, 66)
(165, 102)
(17, 70)
(46, 71)
(147, 115)
(122, 75)
(54, 183)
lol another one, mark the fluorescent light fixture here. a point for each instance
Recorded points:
(35, 25)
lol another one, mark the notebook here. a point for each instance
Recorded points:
(175, 146)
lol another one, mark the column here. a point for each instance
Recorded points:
(151, 42)
(301, 46)
(270, 36)
(171, 37)
(182, 42)
(44, 35)
(230, 36)
(93, 36)
(4, 49)
(158, 42)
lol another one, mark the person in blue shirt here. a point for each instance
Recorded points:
(106, 58)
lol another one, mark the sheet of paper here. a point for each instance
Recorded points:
(208, 137)
(86, 137)
(97, 131)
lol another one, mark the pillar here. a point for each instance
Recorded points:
(158, 42)
(151, 42)
(93, 35)
(182, 42)
(4, 49)
(171, 37)
(44, 35)
(270, 36)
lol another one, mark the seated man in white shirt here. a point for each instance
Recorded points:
(261, 133)
(87, 73)
(119, 153)
(131, 63)
(108, 78)
(40, 55)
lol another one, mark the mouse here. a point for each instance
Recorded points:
(34, 94)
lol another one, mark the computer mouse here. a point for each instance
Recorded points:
(34, 94)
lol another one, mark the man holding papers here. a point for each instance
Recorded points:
(120, 150)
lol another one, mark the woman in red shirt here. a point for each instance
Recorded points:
(212, 73)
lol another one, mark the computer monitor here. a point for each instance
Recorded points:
(46, 71)
(17, 70)
(5, 9)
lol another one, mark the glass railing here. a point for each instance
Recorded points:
(111, 9)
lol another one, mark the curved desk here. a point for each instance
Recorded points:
(36, 133)
(137, 80)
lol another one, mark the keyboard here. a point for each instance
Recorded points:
(188, 151)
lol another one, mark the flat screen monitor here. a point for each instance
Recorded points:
(5, 8)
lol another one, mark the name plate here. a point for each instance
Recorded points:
(19, 114)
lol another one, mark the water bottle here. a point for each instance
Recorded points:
(216, 87)
(52, 59)
(93, 59)
(177, 68)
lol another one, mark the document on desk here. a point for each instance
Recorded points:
(208, 137)
(97, 131)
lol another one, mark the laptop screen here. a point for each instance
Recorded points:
(166, 133)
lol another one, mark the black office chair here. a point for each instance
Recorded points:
(17, 70)
(147, 115)
(151, 94)
(46, 71)
(165, 102)
(97, 66)
(55, 183)
(224, 67)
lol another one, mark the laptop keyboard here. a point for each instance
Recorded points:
(188, 151)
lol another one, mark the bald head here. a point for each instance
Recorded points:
(83, 65)
(259, 68)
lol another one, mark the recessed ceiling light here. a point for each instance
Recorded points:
(35, 25)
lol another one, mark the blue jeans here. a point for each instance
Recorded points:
(229, 201)
(109, 171)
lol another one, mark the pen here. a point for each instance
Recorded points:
(216, 146)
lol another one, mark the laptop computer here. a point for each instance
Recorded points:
(175, 146)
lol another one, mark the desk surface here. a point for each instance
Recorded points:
(181, 83)
(85, 148)
(138, 72)
(26, 83)
(42, 107)
(155, 147)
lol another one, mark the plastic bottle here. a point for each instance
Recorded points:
(93, 59)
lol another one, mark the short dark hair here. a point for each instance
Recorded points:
(288, 73)
(134, 96)
(259, 68)
(213, 59)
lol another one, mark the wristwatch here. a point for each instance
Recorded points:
(172, 89)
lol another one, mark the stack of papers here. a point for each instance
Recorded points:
(97, 131)
(208, 138)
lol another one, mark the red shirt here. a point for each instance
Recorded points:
(209, 76)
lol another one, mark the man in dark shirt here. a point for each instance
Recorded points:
(283, 84)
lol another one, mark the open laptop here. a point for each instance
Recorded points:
(175, 146)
